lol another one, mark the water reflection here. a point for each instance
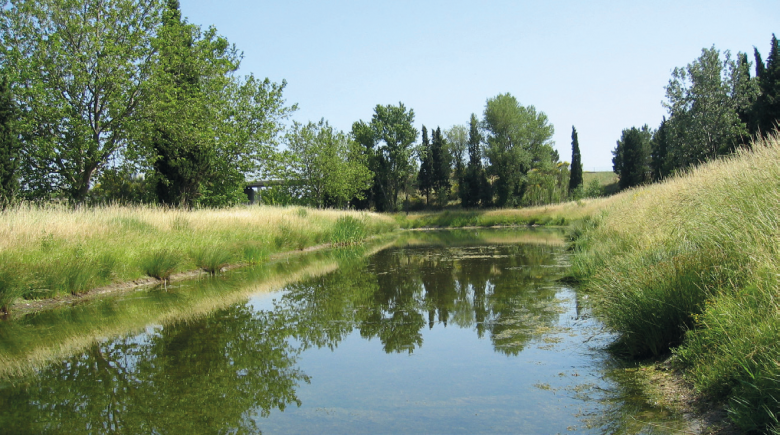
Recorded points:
(230, 370)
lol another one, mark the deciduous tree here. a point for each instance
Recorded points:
(518, 138)
(77, 69)
(329, 164)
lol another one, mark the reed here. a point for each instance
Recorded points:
(692, 265)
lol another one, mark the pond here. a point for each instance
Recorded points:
(466, 331)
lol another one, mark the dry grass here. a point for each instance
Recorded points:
(58, 249)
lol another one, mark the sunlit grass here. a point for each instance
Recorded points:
(694, 262)
(550, 215)
(58, 250)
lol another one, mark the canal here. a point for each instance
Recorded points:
(467, 331)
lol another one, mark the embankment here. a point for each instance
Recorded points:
(692, 265)
(51, 251)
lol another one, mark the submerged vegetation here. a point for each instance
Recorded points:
(52, 251)
(692, 265)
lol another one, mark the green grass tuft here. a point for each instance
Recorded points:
(161, 264)
(348, 231)
(212, 258)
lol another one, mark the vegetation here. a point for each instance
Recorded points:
(691, 265)
(552, 215)
(55, 250)
(328, 164)
(575, 179)
(714, 106)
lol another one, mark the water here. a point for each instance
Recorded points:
(442, 332)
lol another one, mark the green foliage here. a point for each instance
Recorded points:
(425, 175)
(441, 161)
(330, 165)
(767, 105)
(474, 188)
(631, 159)
(388, 142)
(10, 146)
(77, 68)
(518, 139)
(161, 263)
(704, 100)
(348, 231)
(575, 179)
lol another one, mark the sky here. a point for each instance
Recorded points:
(600, 66)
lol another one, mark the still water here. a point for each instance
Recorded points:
(435, 332)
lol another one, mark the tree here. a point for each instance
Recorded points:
(425, 175)
(660, 164)
(388, 140)
(518, 139)
(329, 163)
(704, 100)
(441, 162)
(575, 178)
(10, 146)
(77, 69)
(475, 188)
(768, 102)
(631, 159)
(457, 140)
(203, 129)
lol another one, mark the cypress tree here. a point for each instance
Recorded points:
(659, 154)
(10, 145)
(440, 166)
(632, 157)
(768, 104)
(575, 180)
(425, 176)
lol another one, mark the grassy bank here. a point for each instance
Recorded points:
(49, 251)
(693, 265)
(553, 215)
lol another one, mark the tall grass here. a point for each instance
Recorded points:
(551, 215)
(692, 265)
(58, 250)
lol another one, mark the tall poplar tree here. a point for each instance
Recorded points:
(575, 179)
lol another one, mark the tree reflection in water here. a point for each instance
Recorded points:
(221, 370)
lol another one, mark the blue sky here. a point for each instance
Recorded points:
(598, 65)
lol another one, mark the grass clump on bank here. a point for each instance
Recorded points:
(55, 250)
(692, 265)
